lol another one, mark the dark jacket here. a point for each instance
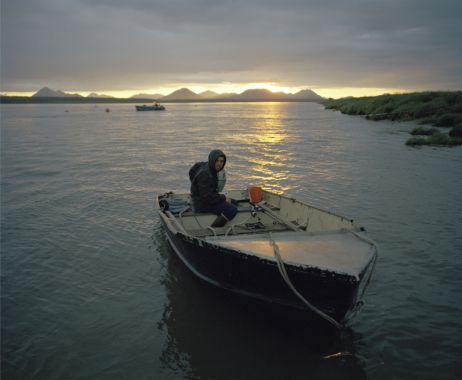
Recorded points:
(204, 181)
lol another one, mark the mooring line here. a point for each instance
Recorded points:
(285, 276)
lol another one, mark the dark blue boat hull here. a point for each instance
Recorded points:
(335, 294)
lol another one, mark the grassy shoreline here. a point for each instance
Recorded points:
(441, 109)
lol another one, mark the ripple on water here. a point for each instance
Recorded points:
(88, 278)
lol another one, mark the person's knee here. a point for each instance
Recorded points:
(230, 211)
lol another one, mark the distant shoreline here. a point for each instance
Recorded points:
(431, 107)
(69, 100)
(441, 109)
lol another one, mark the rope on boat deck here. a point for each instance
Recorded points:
(213, 230)
(231, 228)
(285, 276)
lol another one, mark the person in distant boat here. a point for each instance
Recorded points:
(205, 194)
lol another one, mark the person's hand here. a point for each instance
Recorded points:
(231, 200)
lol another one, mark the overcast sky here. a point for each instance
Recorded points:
(140, 45)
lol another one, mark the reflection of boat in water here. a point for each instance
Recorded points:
(280, 251)
(154, 107)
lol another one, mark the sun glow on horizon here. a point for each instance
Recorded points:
(272, 87)
(221, 88)
(342, 92)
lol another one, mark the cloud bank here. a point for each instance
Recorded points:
(88, 45)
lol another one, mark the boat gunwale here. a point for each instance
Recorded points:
(317, 208)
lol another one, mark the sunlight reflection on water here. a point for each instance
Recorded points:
(265, 157)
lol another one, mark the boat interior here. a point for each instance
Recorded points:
(275, 213)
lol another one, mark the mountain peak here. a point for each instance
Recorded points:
(307, 94)
(95, 95)
(209, 94)
(147, 96)
(260, 94)
(182, 94)
(47, 92)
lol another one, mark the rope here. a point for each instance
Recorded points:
(213, 230)
(176, 222)
(280, 219)
(374, 244)
(285, 276)
(231, 228)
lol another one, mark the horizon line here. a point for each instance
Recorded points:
(332, 92)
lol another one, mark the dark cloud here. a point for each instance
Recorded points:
(112, 44)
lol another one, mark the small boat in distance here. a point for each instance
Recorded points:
(155, 107)
(278, 250)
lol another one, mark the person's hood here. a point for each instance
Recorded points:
(213, 157)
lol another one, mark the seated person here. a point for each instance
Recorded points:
(204, 189)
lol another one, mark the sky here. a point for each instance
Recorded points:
(334, 47)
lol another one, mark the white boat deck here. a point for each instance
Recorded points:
(340, 252)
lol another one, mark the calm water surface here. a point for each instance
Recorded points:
(91, 290)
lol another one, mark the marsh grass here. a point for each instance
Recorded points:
(438, 108)
(420, 131)
(416, 141)
(436, 138)
(449, 120)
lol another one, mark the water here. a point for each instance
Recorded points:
(91, 290)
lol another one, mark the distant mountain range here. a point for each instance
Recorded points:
(47, 92)
(263, 94)
(185, 94)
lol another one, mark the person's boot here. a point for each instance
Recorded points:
(220, 221)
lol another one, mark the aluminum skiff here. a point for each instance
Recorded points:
(280, 250)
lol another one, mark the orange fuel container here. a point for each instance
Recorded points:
(255, 194)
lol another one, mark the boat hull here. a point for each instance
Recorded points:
(333, 293)
(150, 108)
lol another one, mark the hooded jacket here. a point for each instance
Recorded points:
(204, 181)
